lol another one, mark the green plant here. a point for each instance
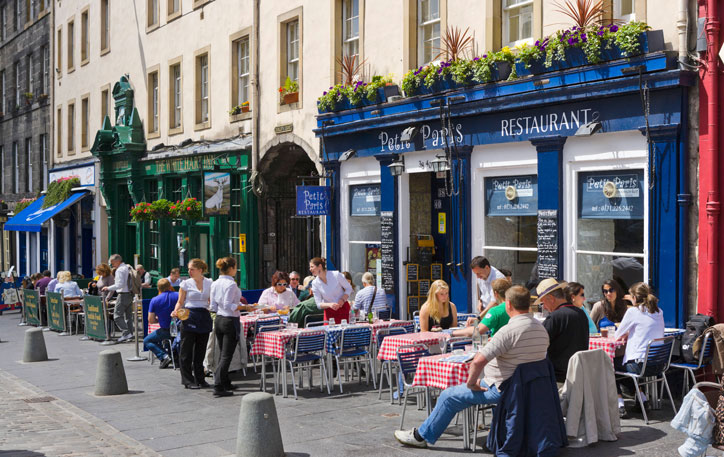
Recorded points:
(28, 95)
(526, 54)
(289, 87)
(355, 93)
(583, 12)
(627, 37)
(161, 209)
(349, 69)
(482, 69)
(455, 45)
(24, 203)
(332, 98)
(189, 209)
(413, 81)
(142, 212)
(60, 190)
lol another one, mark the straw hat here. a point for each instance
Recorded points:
(547, 286)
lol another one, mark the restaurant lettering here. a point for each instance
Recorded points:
(626, 186)
(437, 138)
(546, 123)
(193, 163)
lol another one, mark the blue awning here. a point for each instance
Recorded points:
(31, 218)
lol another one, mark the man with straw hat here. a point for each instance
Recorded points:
(567, 325)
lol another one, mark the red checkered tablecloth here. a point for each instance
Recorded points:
(272, 344)
(434, 372)
(388, 350)
(609, 345)
(153, 327)
(248, 320)
(386, 324)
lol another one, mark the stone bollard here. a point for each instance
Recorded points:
(34, 350)
(259, 434)
(110, 375)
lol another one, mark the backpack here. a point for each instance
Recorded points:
(134, 281)
(695, 327)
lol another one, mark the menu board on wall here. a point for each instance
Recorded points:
(547, 243)
(413, 304)
(412, 271)
(387, 247)
(423, 287)
(436, 271)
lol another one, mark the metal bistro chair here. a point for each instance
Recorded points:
(166, 344)
(656, 362)
(416, 320)
(259, 326)
(381, 335)
(311, 320)
(457, 342)
(410, 327)
(384, 314)
(316, 324)
(261, 329)
(355, 347)
(309, 348)
(408, 357)
(690, 369)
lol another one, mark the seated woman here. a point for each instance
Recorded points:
(575, 295)
(495, 318)
(612, 307)
(66, 287)
(279, 295)
(641, 324)
(438, 312)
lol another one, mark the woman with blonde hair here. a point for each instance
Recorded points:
(66, 286)
(438, 312)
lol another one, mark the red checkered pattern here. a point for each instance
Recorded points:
(153, 327)
(388, 350)
(609, 345)
(248, 320)
(272, 344)
(386, 324)
(433, 372)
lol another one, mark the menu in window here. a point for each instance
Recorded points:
(547, 243)
(387, 248)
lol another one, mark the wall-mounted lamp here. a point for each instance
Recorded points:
(588, 129)
(439, 163)
(348, 154)
(397, 167)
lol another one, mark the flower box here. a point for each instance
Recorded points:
(381, 97)
(501, 71)
(390, 90)
(244, 108)
(650, 41)
(290, 97)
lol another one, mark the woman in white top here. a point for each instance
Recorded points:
(194, 296)
(226, 303)
(278, 296)
(641, 324)
(330, 289)
(66, 286)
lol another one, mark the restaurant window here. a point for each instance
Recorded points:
(173, 190)
(153, 102)
(610, 229)
(71, 128)
(292, 49)
(510, 225)
(235, 220)
(624, 10)
(84, 38)
(350, 28)
(175, 98)
(517, 21)
(240, 69)
(153, 247)
(428, 30)
(202, 89)
(71, 39)
(84, 113)
(364, 230)
(105, 26)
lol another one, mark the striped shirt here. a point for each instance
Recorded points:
(364, 298)
(522, 340)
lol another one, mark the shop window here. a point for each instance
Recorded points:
(153, 249)
(364, 230)
(350, 28)
(517, 21)
(105, 27)
(511, 205)
(428, 30)
(610, 237)
(71, 50)
(174, 190)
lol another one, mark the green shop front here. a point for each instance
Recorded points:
(209, 179)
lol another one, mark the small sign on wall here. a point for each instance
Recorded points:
(242, 242)
(313, 200)
(441, 223)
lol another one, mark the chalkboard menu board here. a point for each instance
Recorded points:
(412, 271)
(423, 287)
(413, 304)
(547, 243)
(436, 271)
(387, 248)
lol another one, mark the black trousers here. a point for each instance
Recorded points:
(192, 353)
(227, 337)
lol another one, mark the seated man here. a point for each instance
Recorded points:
(567, 325)
(160, 311)
(144, 275)
(175, 277)
(496, 317)
(370, 298)
(522, 340)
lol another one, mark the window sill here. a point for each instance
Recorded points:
(240, 117)
(172, 16)
(283, 108)
(175, 131)
(70, 70)
(200, 3)
(105, 51)
(151, 28)
(85, 149)
(151, 135)
(84, 62)
(202, 126)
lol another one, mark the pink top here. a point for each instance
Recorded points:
(271, 298)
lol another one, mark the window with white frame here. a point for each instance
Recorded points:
(363, 230)
(624, 10)
(175, 98)
(46, 69)
(29, 75)
(241, 67)
(202, 88)
(610, 228)
(153, 101)
(428, 30)
(44, 158)
(293, 49)
(28, 166)
(15, 169)
(517, 21)
(510, 223)
(350, 27)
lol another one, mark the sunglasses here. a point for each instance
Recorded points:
(282, 284)
(608, 291)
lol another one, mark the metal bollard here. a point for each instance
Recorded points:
(110, 374)
(258, 432)
(34, 350)
(138, 357)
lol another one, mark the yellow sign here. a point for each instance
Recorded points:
(441, 224)
(242, 242)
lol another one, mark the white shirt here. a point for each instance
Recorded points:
(174, 283)
(120, 279)
(68, 289)
(364, 297)
(485, 286)
(331, 291)
(641, 327)
(271, 298)
(146, 278)
(196, 298)
(225, 297)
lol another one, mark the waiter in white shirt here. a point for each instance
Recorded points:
(485, 274)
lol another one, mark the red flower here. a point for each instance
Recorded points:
(281, 89)
(188, 209)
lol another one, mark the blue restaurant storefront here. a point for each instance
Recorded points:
(579, 174)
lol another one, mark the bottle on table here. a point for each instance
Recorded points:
(477, 337)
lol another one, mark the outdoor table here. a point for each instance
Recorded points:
(674, 331)
(273, 344)
(69, 303)
(249, 320)
(388, 350)
(609, 345)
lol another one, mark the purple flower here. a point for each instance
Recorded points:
(476, 59)
(485, 56)
(572, 41)
(584, 38)
(324, 93)
(330, 88)
(600, 33)
(613, 28)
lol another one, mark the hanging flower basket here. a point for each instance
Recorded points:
(142, 212)
(189, 209)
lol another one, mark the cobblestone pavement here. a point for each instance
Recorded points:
(37, 424)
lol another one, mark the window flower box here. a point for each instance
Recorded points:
(289, 98)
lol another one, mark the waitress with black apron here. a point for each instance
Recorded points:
(193, 302)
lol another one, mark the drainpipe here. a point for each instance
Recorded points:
(709, 167)
(682, 25)
(255, 101)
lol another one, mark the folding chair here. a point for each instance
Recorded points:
(381, 335)
(690, 369)
(309, 348)
(408, 357)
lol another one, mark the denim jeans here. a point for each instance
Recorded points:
(153, 342)
(452, 401)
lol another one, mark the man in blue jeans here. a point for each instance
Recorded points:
(523, 339)
(160, 311)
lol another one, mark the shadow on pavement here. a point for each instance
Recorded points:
(19, 453)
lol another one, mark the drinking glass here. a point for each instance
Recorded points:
(293, 325)
(344, 322)
(331, 321)
(352, 318)
(375, 316)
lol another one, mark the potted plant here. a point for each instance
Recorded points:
(142, 212)
(334, 99)
(28, 97)
(245, 107)
(289, 92)
(60, 190)
(161, 209)
(189, 209)
(24, 203)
